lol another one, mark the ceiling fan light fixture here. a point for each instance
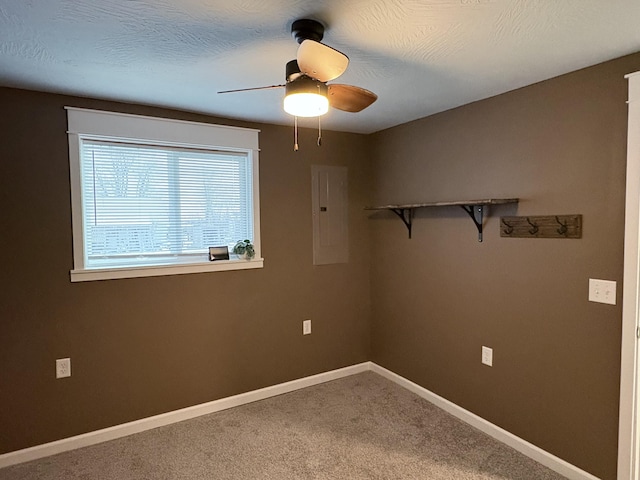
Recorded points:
(306, 104)
(306, 97)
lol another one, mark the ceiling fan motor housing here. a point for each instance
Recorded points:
(304, 84)
(292, 71)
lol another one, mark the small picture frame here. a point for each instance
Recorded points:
(218, 253)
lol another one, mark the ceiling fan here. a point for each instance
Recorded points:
(307, 92)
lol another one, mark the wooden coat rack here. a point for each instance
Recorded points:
(542, 226)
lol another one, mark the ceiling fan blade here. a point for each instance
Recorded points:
(250, 89)
(350, 98)
(317, 60)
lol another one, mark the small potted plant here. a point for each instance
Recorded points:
(244, 249)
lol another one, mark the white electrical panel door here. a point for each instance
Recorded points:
(329, 208)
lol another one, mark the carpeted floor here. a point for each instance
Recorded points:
(359, 427)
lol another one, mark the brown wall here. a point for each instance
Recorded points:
(140, 347)
(560, 146)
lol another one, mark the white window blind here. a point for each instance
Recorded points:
(151, 205)
(151, 195)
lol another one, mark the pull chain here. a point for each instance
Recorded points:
(295, 134)
(319, 132)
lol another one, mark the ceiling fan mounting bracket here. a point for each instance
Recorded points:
(307, 29)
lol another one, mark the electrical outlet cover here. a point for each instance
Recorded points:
(63, 367)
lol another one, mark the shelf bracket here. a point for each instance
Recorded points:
(475, 212)
(406, 215)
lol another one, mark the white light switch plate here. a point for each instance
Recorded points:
(306, 327)
(602, 291)
(487, 356)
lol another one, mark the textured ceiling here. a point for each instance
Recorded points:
(420, 57)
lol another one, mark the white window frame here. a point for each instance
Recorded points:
(101, 125)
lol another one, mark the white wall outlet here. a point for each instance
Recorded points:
(602, 291)
(487, 356)
(306, 327)
(63, 367)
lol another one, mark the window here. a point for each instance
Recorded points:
(151, 195)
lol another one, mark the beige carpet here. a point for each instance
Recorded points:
(359, 427)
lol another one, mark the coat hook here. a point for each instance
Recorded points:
(535, 228)
(563, 227)
(509, 229)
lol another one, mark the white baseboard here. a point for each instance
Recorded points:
(118, 431)
(541, 456)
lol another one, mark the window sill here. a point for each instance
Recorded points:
(137, 272)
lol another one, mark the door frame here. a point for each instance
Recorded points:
(628, 422)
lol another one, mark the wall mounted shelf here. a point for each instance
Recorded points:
(474, 208)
